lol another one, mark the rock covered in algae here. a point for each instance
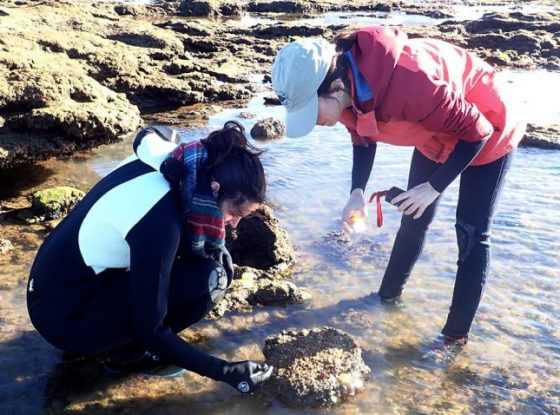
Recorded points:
(314, 368)
(268, 129)
(55, 202)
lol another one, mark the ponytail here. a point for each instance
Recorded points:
(235, 164)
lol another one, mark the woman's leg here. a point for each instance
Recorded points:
(480, 188)
(411, 235)
(83, 315)
(197, 284)
(90, 315)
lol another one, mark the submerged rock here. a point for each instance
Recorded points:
(55, 202)
(260, 242)
(252, 287)
(278, 292)
(542, 137)
(318, 367)
(268, 129)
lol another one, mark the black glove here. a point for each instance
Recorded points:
(224, 258)
(245, 376)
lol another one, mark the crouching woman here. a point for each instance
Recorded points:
(142, 256)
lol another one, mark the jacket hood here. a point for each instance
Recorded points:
(377, 50)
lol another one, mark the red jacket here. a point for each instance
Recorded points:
(428, 94)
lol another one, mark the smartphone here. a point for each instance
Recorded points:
(392, 193)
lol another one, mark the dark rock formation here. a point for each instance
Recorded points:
(260, 242)
(542, 137)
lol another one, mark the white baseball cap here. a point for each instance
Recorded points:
(298, 70)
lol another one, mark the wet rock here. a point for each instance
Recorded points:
(252, 287)
(260, 242)
(542, 137)
(231, 9)
(281, 30)
(144, 40)
(37, 97)
(204, 8)
(383, 7)
(314, 368)
(190, 28)
(281, 6)
(511, 22)
(268, 129)
(272, 101)
(5, 246)
(55, 202)
(20, 149)
(180, 66)
(201, 45)
(151, 93)
(237, 296)
(278, 292)
(127, 10)
(247, 115)
(522, 42)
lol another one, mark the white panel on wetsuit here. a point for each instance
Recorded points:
(102, 235)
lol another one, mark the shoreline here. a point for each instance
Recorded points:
(115, 77)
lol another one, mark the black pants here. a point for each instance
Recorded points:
(479, 189)
(90, 315)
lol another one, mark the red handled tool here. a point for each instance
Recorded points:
(389, 195)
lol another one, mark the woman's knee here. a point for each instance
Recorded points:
(469, 237)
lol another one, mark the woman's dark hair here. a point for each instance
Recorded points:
(235, 164)
(343, 41)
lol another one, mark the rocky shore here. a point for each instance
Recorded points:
(89, 73)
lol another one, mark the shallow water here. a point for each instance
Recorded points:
(510, 365)
(459, 10)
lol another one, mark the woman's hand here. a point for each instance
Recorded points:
(416, 200)
(245, 376)
(356, 206)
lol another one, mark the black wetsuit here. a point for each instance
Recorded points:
(114, 271)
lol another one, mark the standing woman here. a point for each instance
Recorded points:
(142, 256)
(425, 93)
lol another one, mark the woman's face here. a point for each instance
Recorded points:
(233, 213)
(332, 104)
(330, 110)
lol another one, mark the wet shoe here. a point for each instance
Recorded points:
(145, 363)
(444, 350)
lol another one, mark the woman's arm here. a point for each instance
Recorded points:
(153, 245)
(362, 163)
(460, 158)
